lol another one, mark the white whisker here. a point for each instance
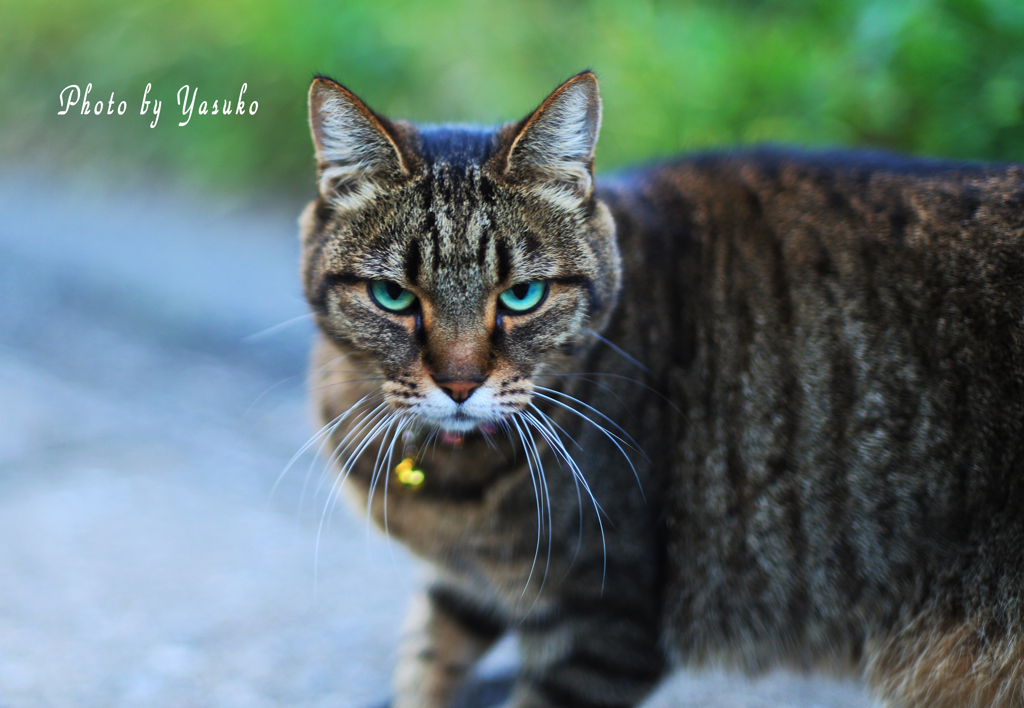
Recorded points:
(350, 438)
(384, 421)
(544, 423)
(546, 494)
(381, 430)
(265, 392)
(616, 440)
(279, 326)
(371, 420)
(346, 381)
(630, 379)
(536, 496)
(325, 433)
(614, 347)
(403, 423)
(390, 448)
(626, 438)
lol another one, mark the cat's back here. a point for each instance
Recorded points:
(847, 351)
(793, 238)
(838, 193)
(904, 242)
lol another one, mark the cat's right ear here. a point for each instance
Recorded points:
(356, 152)
(554, 146)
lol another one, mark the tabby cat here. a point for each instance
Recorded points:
(746, 409)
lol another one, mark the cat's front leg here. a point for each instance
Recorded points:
(444, 635)
(588, 657)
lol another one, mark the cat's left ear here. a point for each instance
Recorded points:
(356, 150)
(554, 146)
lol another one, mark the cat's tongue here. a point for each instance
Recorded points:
(451, 438)
(456, 439)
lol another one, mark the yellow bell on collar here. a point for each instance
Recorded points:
(408, 474)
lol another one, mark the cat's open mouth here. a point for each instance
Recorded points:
(456, 438)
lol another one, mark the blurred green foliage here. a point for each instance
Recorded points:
(936, 77)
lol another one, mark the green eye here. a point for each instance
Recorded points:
(524, 296)
(391, 296)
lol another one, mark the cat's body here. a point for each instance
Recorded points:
(820, 356)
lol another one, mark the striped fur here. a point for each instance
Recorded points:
(769, 413)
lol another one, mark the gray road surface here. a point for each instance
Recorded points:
(146, 556)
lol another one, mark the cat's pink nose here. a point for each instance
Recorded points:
(459, 390)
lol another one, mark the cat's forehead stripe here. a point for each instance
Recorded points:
(483, 245)
(504, 261)
(413, 261)
(453, 235)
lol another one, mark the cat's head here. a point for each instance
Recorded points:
(461, 262)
